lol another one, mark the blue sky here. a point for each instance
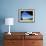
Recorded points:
(26, 15)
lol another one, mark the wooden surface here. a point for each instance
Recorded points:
(20, 39)
(33, 43)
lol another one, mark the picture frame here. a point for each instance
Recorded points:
(26, 15)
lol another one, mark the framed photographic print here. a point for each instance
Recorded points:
(26, 15)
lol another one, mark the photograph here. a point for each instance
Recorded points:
(26, 15)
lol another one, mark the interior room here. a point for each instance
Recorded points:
(10, 9)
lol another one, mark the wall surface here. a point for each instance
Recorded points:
(9, 8)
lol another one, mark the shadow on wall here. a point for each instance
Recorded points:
(2, 21)
(1, 39)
